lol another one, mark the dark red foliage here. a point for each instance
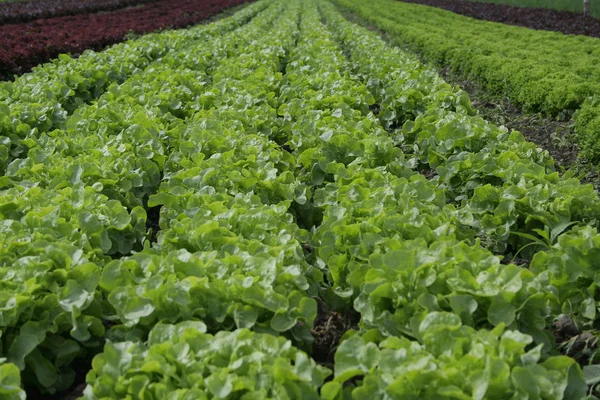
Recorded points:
(534, 18)
(29, 44)
(23, 11)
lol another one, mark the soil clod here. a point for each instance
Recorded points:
(329, 328)
(581, 346)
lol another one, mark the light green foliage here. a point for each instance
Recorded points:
(43, 100)
(570, 269)
(505, 187)
(235, 263)
(587, 126)
(520, 62)
(76, 198)
(10, 382)
(453, 362)
(396, 252)
(182, 362)
(542, 71)
(284, 152)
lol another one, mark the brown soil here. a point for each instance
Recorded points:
(520, 262)
(329, 328)
(549, 134)
(152, 222)
(581, 346)
(533, 18)
(75, 393)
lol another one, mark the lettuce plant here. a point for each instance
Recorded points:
(452, 361)
(182, 362)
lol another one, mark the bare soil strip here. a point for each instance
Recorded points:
(534, 18)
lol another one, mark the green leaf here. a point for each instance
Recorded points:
(74, 296)
(282, 322)
(331, 390)
(32, 334)
(44, 370)
(591, 374)
(501, 310)
(435, 321)
(354, 357)
(245, 316)
(129, 304)
(10, 382)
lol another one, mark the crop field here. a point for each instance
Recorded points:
(41, 31)
(575, 6)
(522, 15)
(284, 204)
(543, 72)
(24, 11)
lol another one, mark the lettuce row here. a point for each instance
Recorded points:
(54, 244)
(507, 184)
(237, 160)
(367, 250)
(228, 252)
(506, 187)
(326, 115)
(569, 269)
(367, 209)
(224, 206)
(59, 235)
(482, 293)
(392, 246)
(389, 241)
(586, 123)
(452, 361)
(120, 142)
(370, 212)
(41, 101)
(542, 76)
(236, 263)
(403, 87)
(183, 362)
(542, 71)
(67, 79)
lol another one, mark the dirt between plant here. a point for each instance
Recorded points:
(533, 18)
(28, 10)
(549, 134)
(556, 136)
(581, 346)
(329, 327)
